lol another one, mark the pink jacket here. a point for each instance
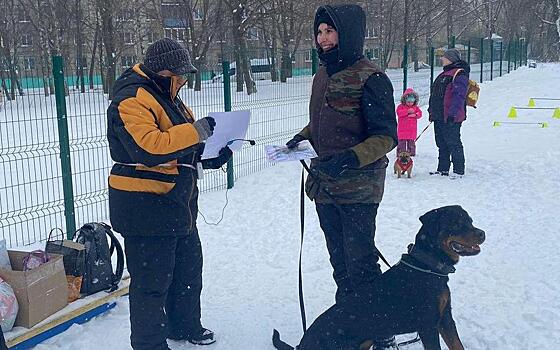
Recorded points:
(407, 127)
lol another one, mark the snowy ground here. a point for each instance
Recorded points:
(505, 298)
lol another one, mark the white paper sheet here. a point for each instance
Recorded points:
(229, 126)
(303, 151)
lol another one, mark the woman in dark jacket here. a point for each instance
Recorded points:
(448, 110)
(352, 127)
(155, 144)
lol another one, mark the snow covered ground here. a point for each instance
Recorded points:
(505, 298)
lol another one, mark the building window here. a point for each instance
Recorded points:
(371, 32)
(83, 62)
(175, 33)
(198, 15)
(29, 63)
(128, 38)
(150, 37)
(151, 15)
(23, 16)
(125, 15)
(376, 53)
(252, 34)
(128, 61)
(26, 40)
(308, 55)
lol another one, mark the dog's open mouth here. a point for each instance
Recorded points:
(462, 249)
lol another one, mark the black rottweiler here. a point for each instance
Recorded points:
(412, 296)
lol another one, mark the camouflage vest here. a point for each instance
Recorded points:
(336, 124)
(335, 114)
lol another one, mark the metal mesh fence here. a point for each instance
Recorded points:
(32, 198)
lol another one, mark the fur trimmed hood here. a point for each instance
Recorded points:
(409, 92)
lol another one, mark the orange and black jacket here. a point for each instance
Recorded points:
(149, 132)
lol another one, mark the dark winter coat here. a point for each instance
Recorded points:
(146, 127)
(351, 107)
(449, 93)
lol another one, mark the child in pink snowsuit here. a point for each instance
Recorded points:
(408, 113)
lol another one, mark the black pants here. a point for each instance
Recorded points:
(448, 141)
(2, 341)
(165, 287)
(350, 234)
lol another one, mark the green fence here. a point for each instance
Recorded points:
(54, 158)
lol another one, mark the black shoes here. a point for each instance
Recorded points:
(442, 173)
(201, 337)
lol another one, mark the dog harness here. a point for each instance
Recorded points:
(404, 166)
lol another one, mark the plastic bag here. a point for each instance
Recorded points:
(34, 259)
(8, 306)
(4, 258)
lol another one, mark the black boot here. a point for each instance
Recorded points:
(203, 337)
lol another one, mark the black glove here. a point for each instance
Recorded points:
(294, 141)
(215, 163)
(205, 127)
(336, 164)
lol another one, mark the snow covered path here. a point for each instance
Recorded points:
(505, 298)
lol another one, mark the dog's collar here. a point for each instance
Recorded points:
(434, 265)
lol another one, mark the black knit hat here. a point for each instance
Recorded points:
(167, 54)
(323, 17)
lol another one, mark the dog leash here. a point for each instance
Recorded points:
(302, 228)
(426, 128)
(335, 203)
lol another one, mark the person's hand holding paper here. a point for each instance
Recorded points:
(230, 126)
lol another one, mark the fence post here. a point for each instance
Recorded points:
(515, 54)
(501, 56)
(509, 57)
(491, 59)
(522, 53)
(481, 59)
(405, 66)
(64, 143)
(469, 53)
(432, 63)
(452, 44)
(227, 108)
(314, 61)
(526, 52)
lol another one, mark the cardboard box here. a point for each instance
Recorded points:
(40, 292)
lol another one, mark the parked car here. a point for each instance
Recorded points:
(260, 68)
(532, 63)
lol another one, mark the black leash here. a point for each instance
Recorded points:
(426, 128)
(335, 203)
(302, 227)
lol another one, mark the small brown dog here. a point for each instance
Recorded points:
(403, 164)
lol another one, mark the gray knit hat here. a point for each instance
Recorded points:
(453, 55)
(167, 54)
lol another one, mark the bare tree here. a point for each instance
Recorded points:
(245, 14)
(10, 28)
(49, 19)
(201, 19)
